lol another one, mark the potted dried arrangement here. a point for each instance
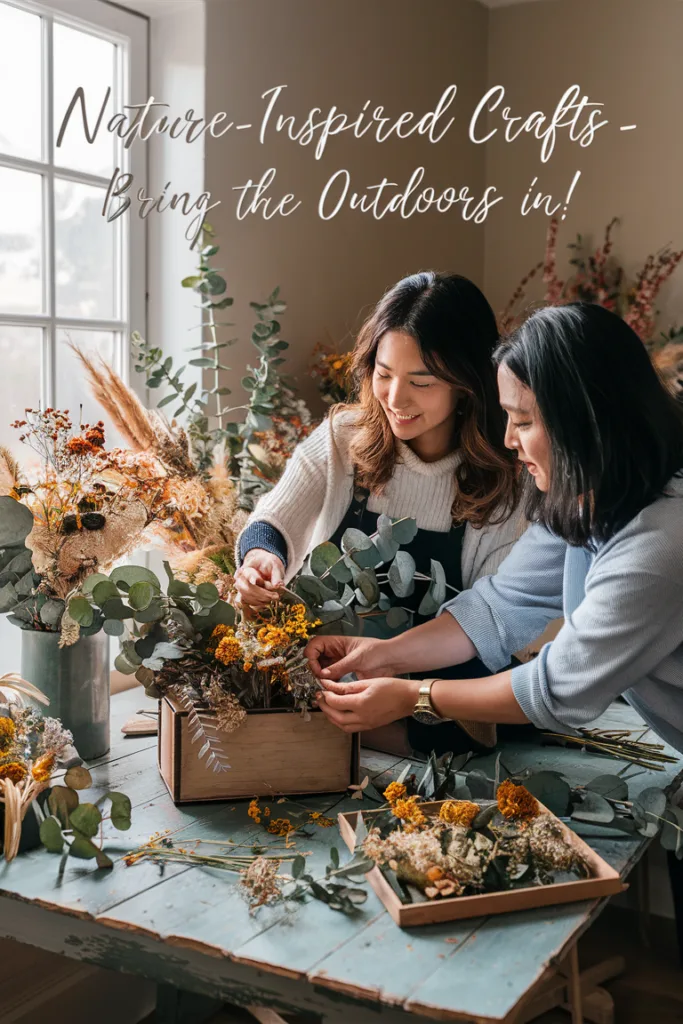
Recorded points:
(31, 749)
(449, 859)
(218, 673)
(597, 277)
(331, 371)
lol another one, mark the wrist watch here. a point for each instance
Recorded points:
(424, 711)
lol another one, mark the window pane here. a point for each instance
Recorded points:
(82, 59)
(20, 82)
(20, 351)
(72, 390)
(21, 232)
(84, 252)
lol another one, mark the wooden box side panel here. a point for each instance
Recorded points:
(167, 746)
(605, 881)
(270, 754)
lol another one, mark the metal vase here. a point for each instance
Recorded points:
(76, 681)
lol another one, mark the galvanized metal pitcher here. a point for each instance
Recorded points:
(76, 681)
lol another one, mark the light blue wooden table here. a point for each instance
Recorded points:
(190, 930)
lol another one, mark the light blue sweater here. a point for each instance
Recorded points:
(623, 622)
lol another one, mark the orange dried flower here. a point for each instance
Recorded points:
(8, 731)
(394, 792)
(80, 446)
(281, 827)
(408, 810)
(15, 771)
(516, 801)
(459, 812)
(254, 811)
(228, 650)
(43, 767)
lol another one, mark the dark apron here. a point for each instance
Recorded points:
(444, 547)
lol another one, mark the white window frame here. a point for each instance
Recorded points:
(129, 31)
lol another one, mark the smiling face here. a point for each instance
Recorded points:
(525, 431)
(420, 407)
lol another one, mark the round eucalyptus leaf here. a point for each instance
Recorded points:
(154, 613)
(113, 627)
(131, 574)
(90, 582)
(121, 664)
(672, 829)
(114, 608)
(355, 540)
(8, 597)
(103, 591)
(177, 588)
(386, 548)
(323, 557)
(86, 818)
(403, 531)
(51, 612)
(368, 558)
(207, 595)
(366, 583)
(609, 785)
(120, 811)
(401, 573)
(82, 847)
(647, 810)
(553, 792)
(81, 611)
(141, 595)
(16, 522)
(428, 606)
(78, 777)
(437, 589)
(51, 835)
(593, 808)
(397, 617)
(61, 801)
(341, 572)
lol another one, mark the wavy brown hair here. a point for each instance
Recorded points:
(456, 332)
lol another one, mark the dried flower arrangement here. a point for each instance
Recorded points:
(599, 279)
(252, 452)
(191, 643)
(466, 847)
(31, 748)
(332, 373)
(87, 506)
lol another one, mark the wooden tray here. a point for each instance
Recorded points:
(605, 881)
(274, 753)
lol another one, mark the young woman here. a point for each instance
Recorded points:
(425, 440)
(602, 443)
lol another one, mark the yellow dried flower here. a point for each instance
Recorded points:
(459, 812)
(15, 771)
(228, 650)
(318, 818)
(8, 731)
(394, 792)
(254, 811)
(516, 801)
(408, 810)
(281, 827)
(43, 767)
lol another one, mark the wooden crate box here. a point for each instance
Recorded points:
(275, 752)
(604, 881)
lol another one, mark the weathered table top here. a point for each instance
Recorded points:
(189, 927)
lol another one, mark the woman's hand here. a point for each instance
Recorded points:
(331, 657)
(368, 703)
(259, 578)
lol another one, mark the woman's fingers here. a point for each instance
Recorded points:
(356, 686)
(323, 649)
(346, 720)
(341, 701)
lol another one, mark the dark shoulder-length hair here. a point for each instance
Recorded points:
(456, 332)
(616, 433)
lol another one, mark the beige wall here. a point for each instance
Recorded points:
(625, 53)
(393, 52)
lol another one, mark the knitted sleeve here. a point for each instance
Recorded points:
(262, 535)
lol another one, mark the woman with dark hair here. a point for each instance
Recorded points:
(602, 443)
(425, 440)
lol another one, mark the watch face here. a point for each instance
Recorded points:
(426, 717)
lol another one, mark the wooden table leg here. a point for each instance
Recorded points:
(175, 1006)
(575, 985)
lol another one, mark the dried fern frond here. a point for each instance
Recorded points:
(10, 473)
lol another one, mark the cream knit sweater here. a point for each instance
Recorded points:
(310, 500)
